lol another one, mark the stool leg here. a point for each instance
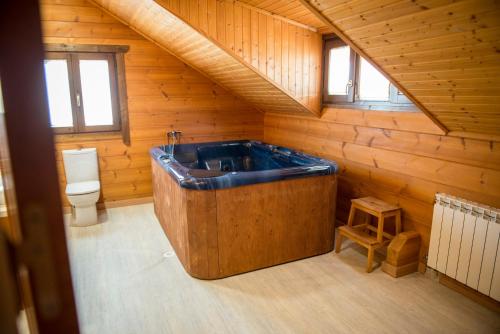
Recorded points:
(369, 264)
(338, 243)
(368, 220)
(398, 223)
(352, 213)
(380, 228)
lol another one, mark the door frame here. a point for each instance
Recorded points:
(41, 246)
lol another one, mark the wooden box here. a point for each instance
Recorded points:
(402, 254)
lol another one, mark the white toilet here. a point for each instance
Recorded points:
(83, 186)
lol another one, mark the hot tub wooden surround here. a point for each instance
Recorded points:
(224, 232)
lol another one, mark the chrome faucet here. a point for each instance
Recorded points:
(173, 138)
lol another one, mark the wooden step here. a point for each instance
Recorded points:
(374, 204)
(359, 236)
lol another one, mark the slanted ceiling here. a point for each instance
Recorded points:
(293, 10)
(444, 53)
(206, 54)
(285, 52)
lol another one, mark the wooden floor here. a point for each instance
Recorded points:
(128, 280)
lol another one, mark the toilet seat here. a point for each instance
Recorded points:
(82, 188)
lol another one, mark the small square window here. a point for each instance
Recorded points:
(82, 92)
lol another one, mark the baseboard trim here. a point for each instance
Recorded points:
(117, 203)
(469, 293)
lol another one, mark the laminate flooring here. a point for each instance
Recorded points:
(127, 279)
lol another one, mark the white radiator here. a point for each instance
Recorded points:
(465, 243)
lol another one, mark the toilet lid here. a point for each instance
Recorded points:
(82, 188)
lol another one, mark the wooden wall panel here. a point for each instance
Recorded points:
(396, 156)
(237, 25)
(291, 9)
(442, 53)
(163, 94)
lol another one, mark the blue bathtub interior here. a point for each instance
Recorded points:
(219, 165)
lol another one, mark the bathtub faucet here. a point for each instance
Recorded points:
(173, 137)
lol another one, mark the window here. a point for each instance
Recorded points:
(83, 90)
(349, 78)
(340, 76)
(373, 86)
(339, 70)
(58, 93)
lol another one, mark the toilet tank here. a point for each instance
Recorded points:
(81, 165)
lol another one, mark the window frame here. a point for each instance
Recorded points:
(332, 98)
(115, 110)
(397, 97)
(73, 61)
(396, 101)
(357, 89)
(67, 57)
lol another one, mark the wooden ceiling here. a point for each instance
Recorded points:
(293, 10)
(444, 53)
(204, 54)
(286, 53)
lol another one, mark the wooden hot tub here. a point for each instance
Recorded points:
(233, 207)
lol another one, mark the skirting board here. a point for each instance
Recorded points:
(117, 204)
(469, 293)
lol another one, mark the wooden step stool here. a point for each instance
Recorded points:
(360, 233)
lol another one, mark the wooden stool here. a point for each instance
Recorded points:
(360, 233)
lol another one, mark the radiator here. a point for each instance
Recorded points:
(465, 245)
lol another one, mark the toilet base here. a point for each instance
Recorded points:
(84, 216)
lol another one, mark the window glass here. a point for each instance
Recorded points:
(373, 86)
(96, 92)
(338, 72)
(58, 93)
